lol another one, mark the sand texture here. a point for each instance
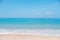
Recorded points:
(27, 37)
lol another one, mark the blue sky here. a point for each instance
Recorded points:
(30, 9)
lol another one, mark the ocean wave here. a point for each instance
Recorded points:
(28, 31)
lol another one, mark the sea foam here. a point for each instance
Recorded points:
(32, 32)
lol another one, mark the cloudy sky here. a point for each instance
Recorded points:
(29, 8)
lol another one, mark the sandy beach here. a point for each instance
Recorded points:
(27, 37)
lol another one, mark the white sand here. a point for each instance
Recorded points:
(27, 37)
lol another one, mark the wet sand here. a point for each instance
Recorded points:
(27, 37)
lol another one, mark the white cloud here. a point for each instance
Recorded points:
(49, 13)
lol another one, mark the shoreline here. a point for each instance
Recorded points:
(30, 34)
(46, 32)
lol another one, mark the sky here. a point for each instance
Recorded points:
(29, 8)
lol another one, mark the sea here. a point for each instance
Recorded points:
(34, 26)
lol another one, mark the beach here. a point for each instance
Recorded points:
(29, 29)
(27, 37)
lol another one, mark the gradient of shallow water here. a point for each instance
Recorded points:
(30, 25)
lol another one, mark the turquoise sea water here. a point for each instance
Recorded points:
(30, 25)
(33, 23)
